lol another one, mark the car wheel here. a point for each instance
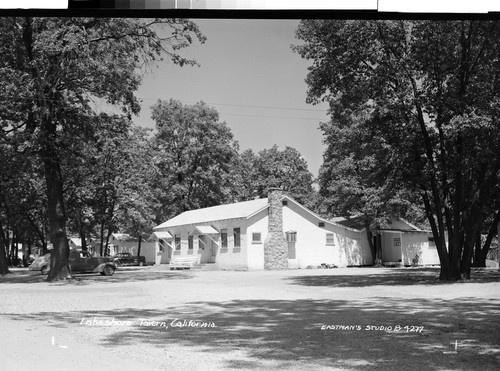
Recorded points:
(44, 270)
(108, 270)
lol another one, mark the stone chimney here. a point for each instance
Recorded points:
(275, 245)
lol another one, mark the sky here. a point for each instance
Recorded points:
(249, 73)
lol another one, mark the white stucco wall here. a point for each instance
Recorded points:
(417, 243)
(255, 251)
(349, 248)
(231, 257)
(310, 247)
(354, 248)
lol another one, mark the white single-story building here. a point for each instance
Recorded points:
(269, 233)
(123, 242)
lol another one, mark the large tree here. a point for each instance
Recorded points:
(430, 91)
(51, 71)
(195, 155)
(272, 167)
(356, 179)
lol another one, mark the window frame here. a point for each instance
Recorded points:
(177, 238)
(237, 237)
(255, 241)
(223, 238)
(332, 242)
(291, 236)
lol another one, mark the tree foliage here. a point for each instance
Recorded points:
(53, 69)
(428, 94)
(275, 168)
(195, 154)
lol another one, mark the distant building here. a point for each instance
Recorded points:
(122, 242)
(75, 243)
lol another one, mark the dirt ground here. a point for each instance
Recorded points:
(323, 319)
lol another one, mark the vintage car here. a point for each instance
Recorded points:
(42, 264)
(80, 262)
(125, 258)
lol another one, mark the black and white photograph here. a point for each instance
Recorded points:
(180, 191)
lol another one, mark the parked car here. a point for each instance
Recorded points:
(42, 264)
(125, 258)
(80, 262)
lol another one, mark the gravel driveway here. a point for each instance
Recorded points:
(333, 319)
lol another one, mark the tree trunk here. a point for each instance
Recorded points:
(139, 247)
(108, 235)
(479, 258)
(84, 241)
(369, 237)
(56, 213)
(102, 238)
(481, 253)
(59, 262)
(27, 252)
(4, 266)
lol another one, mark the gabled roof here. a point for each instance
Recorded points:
(76, 241)
(243, 209)
(121, 237)
(357, 222)
(125, 237)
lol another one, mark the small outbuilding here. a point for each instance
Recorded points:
(401, 243)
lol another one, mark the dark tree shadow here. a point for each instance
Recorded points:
(128, 275)
(289, 332)
(393, 277)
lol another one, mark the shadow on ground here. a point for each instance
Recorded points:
(128, 275)
(288, 333)
(394, 277)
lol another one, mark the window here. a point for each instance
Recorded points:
(177, 241)
(284, 203)
(321, 224)
(291, 236)
(256, 237)
(223, 238)
(237, 237)
(160, 245)
(190, 242)
(330, 239)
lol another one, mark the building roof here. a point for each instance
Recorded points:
(76, 241)
(243, 209)
(121, 237)
(355, 222)
(397, 224)
(125, 237)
